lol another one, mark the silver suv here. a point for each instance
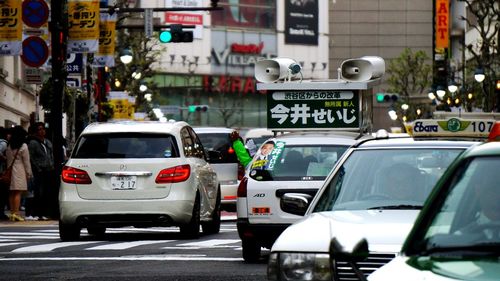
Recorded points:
(138, 174)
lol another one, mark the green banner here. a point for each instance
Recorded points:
(313, 109)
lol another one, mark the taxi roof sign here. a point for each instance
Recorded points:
(452, 127)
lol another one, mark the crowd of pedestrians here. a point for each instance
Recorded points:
(33, 186)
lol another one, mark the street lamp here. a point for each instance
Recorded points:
(479, 75)
(452, 87)
(440, 92)
(126, 56)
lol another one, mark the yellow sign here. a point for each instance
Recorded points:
(11, 25)
(107, 32)
(83, 33)
(442, 32)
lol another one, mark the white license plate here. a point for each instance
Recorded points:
(124, 182)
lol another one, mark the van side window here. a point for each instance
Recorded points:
(198, 150)
(187, 143)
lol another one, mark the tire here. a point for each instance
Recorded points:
(213, 226)
(250, 250)
(68, 232)
(192, 229)
(96, 231)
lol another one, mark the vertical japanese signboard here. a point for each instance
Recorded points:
(107, 31)
(11, 28)
(442, 24)
(83, 33)
(319, 109)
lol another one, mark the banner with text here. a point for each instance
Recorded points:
(11, 28)
(301, 22)
(83, 33)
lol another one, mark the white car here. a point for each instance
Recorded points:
(229, 170)
(375, 191)
(298, 162)
(138, 174)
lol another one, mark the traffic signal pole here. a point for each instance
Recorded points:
(58, 39)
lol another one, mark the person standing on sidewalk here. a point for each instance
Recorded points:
(42, 163)
(18, 154)
(4, 189)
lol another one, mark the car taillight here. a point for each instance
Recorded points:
(242, 187)
(74, 175)
(174, 174)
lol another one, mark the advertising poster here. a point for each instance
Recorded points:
(301, 22)
(83, 33)
(107, 35)
(11, 28)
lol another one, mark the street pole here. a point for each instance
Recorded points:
(58, 40)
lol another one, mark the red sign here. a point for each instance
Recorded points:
(247, 49)
(229, 84)
(442, 23)
(182, 18)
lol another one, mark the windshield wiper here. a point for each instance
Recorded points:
(397, 207)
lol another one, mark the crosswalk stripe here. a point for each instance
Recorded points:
(127, 245)
(210, 243)
(49, 247)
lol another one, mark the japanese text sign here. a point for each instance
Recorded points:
(313, 109)
(11, 27)
(83, 34)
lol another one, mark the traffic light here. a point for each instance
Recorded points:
(385, 97)
(198, 108)
(176, 35)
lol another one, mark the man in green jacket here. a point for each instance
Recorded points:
(241, 151)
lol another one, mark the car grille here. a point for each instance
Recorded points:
(344, 271)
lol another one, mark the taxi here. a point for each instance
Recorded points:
(375, 191)
(457, 234)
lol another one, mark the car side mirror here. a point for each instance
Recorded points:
(295, 203)
(214, 156)
(358, 253)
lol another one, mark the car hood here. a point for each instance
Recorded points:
(385, 230)
(440, 270)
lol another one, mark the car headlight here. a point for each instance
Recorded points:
(298, 266)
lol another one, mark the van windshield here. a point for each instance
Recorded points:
(126, 145)
(294, 162)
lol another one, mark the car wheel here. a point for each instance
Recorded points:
(251, 250)
(96, 231)
(68, 232)
(192, 229)
(213, 226)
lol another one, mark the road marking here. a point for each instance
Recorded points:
(49, 247)
(132, 258)
(210, 243)
(127, 245)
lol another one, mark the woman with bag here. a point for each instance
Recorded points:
(18, 156)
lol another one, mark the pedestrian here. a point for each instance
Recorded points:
(4, 189)
(42, 163)
(17, 153)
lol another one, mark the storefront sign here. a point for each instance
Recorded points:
(229, 84)
(313, 109)
(241, 54)
(442, 23)
(301, 22)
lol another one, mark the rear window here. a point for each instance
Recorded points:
(126, 145)
(295, 162)
(219, 142)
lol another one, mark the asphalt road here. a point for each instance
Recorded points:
(33, 251)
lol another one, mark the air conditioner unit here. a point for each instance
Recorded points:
(3, 73)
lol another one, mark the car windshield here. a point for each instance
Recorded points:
(126, 145)
(385, 179)
(219, 142)
(282, 162)
(469, 218)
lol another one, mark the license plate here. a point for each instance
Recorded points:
(124, 182)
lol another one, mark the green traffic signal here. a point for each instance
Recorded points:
(165, 36)
(380, 97)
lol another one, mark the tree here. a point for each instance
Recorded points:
(483, 18)
(409, 76)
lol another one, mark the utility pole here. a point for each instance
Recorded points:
(58, 39)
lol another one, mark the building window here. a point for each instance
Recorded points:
(259, 14)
